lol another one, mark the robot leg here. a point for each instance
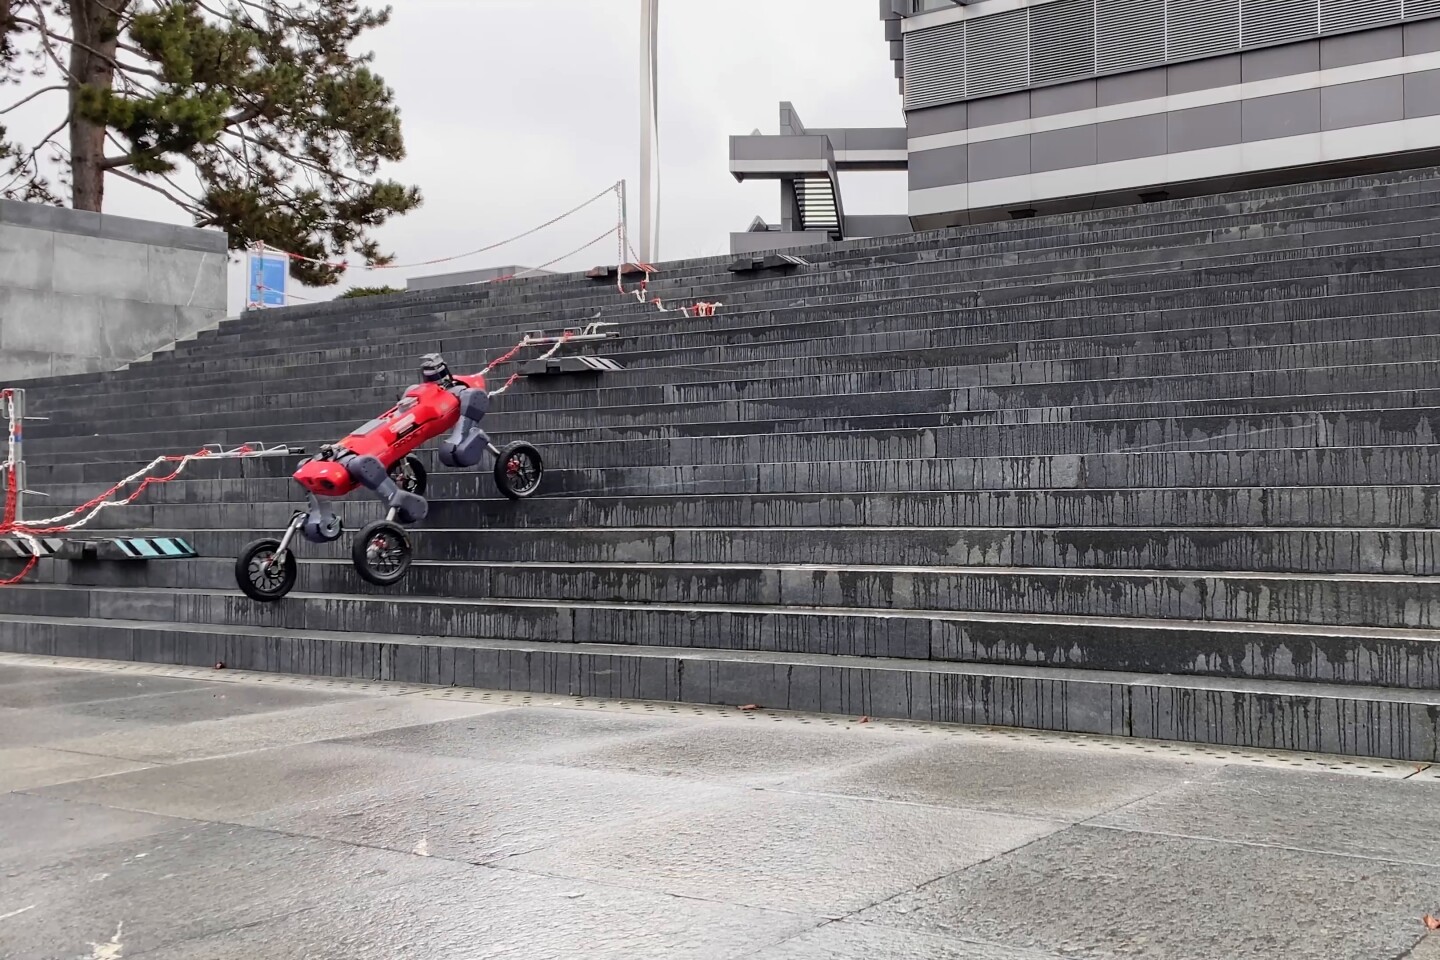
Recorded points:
(467, 443)
(369, 472)
(321, 523)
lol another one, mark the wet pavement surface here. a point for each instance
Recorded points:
(204, 815)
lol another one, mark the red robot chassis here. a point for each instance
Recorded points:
(379, 457)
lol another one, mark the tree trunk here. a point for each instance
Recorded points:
(92, 56)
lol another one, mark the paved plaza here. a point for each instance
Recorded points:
(183, 814)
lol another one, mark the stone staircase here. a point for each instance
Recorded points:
(1166, 471)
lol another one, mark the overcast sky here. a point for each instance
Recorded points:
(516, 110)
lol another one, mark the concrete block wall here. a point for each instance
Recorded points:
(84, 292)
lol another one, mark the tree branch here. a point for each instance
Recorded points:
(43, 90)
(118, 65)
(186, 205)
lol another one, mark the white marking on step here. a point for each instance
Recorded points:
(111, 950)
(16, 913)
(422, 849)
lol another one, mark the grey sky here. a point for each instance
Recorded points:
(515, 110)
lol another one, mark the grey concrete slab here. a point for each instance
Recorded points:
(749, 751)
(236, 787)
(202, 739)
(34, 728)
(1325, 813)
(24, 768)
(525, 733)
(1107, 893)
(89, 688)
(210, 700)
(791, 852)
(38, 831)
(125, 898)
(489, 811)
(456, 911)
(850, 940)
(1056, 782)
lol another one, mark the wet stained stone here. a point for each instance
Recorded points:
(26, 768)
(458, 911)
(788, 851)
(751, 750)
(488, 811)
(1099, 893)
(232, 788)
(516, 734)
(1057, 782)
(1328, 813)
(850, 940)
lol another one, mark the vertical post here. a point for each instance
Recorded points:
(16, 451)
(649, 131)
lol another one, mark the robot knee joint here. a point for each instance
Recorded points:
(468, 452)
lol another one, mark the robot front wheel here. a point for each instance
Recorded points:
(262, 574)
(518, 470)
(382, 553)
(410, 475)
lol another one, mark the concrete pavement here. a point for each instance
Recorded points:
(183, 814)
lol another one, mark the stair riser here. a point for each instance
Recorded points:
(1137, 595)
(262, 504)
(1329, 724)
(840, 440)
(1107, 471)
(1397, 552)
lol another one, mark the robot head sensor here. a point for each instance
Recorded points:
(433, 368)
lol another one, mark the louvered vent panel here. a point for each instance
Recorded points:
(1062, 41)
(935, 66)
(1357, 14)
(1266, 22)
(996, 55)
(1129, 34)
(1198, 28)
(1415, 9)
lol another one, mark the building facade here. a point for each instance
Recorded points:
(1021, 107)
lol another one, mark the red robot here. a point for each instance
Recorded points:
(379, 456)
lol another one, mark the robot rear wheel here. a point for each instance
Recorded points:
(382, 553)
(410, 475)
(261, 574)
(518, 470)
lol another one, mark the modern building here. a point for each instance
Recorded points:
(1021, 107)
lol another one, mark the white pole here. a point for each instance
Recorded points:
(649, 131)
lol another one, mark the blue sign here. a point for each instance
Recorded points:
(267, 279)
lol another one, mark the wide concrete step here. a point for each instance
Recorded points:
(838, 439)
(1282, 550)
(431, 595)
(1400, 270)
(1413, 464)
(468, 500)
(868, 372)
(1330, 718)
(1147, 259)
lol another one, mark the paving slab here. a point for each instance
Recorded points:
(1056, 782)
(1100, 893)
(458, 911)
(488, 811)
(1327, 813)
(229, 789)
(24, 768)
(95, 688)
(790, 851)
(527, 733)
(850, 940)
(749, 751)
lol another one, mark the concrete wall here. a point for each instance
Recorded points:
(84, 292)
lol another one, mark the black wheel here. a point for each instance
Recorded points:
(260, 576)
(382, 552)
(410, 475)
(518, 470)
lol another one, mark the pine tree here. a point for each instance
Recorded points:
(254, 116)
